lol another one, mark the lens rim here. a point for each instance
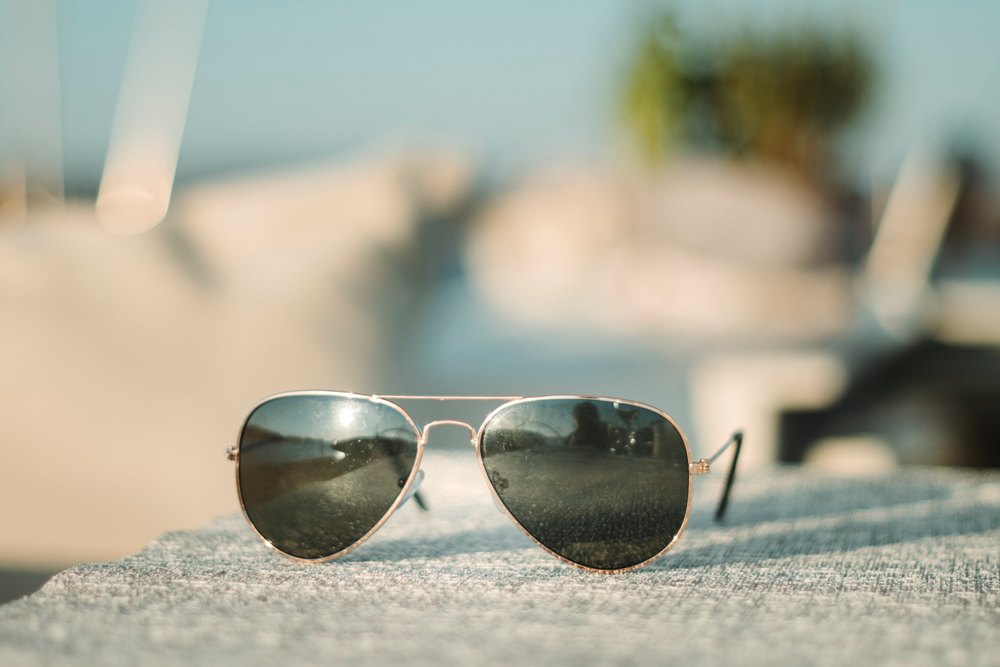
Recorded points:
(563, 397)
(392, 508)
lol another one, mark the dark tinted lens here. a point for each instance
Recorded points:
(317, 473)
(601, 483)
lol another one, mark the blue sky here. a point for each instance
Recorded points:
(515, 83)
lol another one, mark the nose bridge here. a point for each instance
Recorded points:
(449, 422)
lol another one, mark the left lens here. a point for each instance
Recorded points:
(603, 483)
(318, 472)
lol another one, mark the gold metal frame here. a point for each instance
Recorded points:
(392, 508)
(700, 467)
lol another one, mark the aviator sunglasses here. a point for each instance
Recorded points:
(601, 483)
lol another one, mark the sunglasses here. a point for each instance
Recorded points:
(601, 483)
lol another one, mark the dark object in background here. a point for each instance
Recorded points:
(15, 584)
(933, 403)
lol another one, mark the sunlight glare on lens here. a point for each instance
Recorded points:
(347, 416)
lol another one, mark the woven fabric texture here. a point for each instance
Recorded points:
(894, 569)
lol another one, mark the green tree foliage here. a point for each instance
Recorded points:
(780, 96)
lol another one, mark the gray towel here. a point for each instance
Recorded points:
(894, 569)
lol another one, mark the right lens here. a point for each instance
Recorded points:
(602, 483)
(318, 472)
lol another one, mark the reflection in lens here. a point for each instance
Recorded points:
(602, 483)
(318, 472)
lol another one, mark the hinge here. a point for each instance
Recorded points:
(232, 453)
(701, 467)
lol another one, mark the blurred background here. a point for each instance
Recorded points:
(748, 214)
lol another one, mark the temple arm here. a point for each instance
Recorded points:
(419, 500)
(737, 439)
(414, 492)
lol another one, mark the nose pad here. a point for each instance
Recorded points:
(413, 492)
